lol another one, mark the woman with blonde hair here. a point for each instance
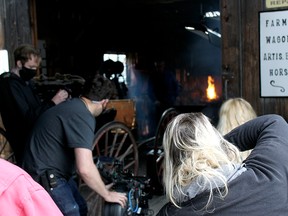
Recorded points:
(234, 112)
(204, 173)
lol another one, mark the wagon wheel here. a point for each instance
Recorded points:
(5, 148)
(166, 117)
(116, 140)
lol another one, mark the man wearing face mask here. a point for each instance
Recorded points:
(20, 105)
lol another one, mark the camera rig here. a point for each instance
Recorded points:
(137, 188)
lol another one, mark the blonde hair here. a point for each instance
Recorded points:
(232, 113)
(193, 150)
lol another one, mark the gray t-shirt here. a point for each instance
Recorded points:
(57, 132)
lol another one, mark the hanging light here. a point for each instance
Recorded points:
(203, 31)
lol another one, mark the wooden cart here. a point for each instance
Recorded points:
(115, 139)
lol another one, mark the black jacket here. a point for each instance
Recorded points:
(262, 188)
(20, 106)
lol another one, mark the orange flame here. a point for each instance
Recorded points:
(210, 91)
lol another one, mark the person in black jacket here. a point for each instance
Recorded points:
(204, 173)
(20, 105)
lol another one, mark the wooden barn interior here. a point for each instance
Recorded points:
(221, 52)
(77, 36)
(74, 38)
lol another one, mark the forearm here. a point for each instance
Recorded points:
(94, 181)
(91, 176)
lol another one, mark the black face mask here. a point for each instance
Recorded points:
(27, 73)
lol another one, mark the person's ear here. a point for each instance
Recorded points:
(19, 64)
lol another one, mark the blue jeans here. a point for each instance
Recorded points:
(68, 198)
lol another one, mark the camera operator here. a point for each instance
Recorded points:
(62, 139)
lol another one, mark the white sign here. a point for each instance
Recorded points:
(4, 63)
(274, 53)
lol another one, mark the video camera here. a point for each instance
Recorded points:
(137, 188)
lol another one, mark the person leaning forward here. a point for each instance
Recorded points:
(204, 173)
(60, 144)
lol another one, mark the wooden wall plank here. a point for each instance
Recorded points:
(230, 47)
(250, 50)
(17, 26)
(240, 48)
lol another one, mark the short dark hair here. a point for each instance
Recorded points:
(87, 90)
(23, 53)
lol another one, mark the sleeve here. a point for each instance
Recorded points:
(27, 101)
(24, 197)
(79, 130)
(267, 135)
(253, 132)
(39, 202)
